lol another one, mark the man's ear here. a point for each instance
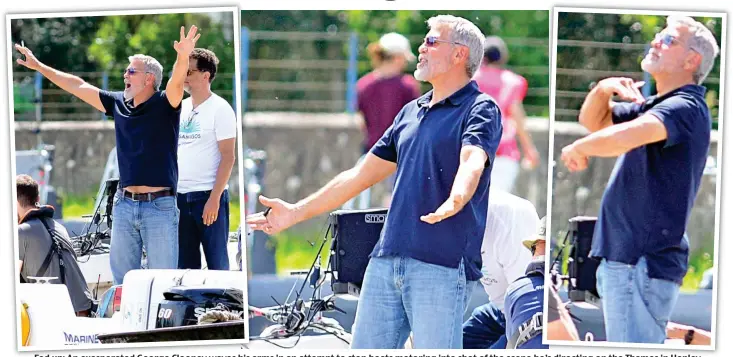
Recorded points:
(693, 61)
(461, 53)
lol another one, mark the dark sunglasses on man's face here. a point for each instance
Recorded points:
(666, 39)
(132, 71)
(191, 71)
(432, 41)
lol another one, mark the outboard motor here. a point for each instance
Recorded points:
(183, 305)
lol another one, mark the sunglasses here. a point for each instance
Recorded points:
(188, 73)
(132, 71)
(432, 41)
(666, 39)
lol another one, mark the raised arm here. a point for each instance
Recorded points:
(595, 114)
(183, 47)
(68, 82)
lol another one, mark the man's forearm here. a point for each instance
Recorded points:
(223, 173)
(340, 189)
(609, 142)
(466, 181)
(595, 114)
(65, 81)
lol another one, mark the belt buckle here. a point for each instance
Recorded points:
(132, 197)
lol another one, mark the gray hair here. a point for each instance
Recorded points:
(700, 40)
(152, 66)
(466, 33)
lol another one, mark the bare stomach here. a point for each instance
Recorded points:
(144, 189)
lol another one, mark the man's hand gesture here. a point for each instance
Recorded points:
(187, 43)
(30, 60)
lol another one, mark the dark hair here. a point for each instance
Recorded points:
(495, 51)
(206, 61)
(27, 189)
(377, 54)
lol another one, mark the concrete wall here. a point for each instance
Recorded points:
(306, 150)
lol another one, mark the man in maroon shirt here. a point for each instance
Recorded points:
(383, 92)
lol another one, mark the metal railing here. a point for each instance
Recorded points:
(568, 95)
(318, 71)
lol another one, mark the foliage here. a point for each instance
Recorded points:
(90, 46)
(634, 30)
(526, 34)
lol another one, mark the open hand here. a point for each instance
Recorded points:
(186, 44)
(30, 60)
(448, 209)
(279, 216)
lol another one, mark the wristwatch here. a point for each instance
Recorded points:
(689, 336)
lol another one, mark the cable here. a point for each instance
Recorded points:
(332, 333)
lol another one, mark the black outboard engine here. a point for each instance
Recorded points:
(183, 305)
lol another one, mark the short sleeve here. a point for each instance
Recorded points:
(623, 112)
(386, 147)
(483, 128)
(225, 123)
(177, 109)
(682, 119)
(109, 100)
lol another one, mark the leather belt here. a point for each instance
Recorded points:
(149, 196)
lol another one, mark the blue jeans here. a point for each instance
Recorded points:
(636, 308)
(486, 328)
(400, 295)
(138, 224)
(193, 233)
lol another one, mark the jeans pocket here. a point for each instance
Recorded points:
(660, 297)
(165, 203)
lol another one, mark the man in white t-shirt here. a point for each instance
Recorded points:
(206, 154)
(510, 220)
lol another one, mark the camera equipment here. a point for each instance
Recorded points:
(95, 237)
(581, 267)
(354, 233)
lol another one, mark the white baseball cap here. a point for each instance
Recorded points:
(396, 44)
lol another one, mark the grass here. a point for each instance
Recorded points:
(295, 252)
(75, 207)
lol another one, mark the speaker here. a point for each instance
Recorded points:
(581, 267)
(354, 234)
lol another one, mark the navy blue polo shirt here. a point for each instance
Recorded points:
(426, 142)
(147, 139)
(523, 302)
(647, 203)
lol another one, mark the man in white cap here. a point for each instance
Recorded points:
(383, 92)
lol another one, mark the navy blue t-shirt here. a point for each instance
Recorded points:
(147, 139)
(426, 142)
(648, 199)
(523, 304)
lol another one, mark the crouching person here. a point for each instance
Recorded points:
(44, 247)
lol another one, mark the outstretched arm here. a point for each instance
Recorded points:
(183, 47)
(68, 82)
(282, 215)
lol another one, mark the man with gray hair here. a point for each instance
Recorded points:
(146, 131)
(662, 143)
(442, 147)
